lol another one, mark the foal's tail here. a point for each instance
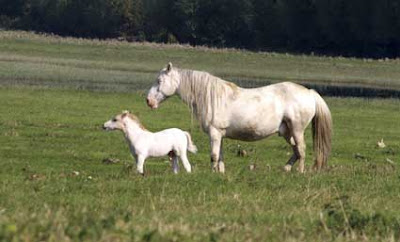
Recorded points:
(322, 132)
(191, 146)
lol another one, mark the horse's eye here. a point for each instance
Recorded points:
(114, 120)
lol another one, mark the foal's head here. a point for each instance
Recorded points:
(166, 85)
(120, 121)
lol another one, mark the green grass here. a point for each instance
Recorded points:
(47, 134)
(50, 129)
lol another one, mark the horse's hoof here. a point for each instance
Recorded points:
(221, 167)
(214, 167)
(287, 168)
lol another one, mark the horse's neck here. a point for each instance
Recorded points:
(206, 95)
(191, 82)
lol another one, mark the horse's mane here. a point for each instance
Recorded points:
(204, 93)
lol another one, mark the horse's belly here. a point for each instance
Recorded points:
(254, 122)
(250, 133)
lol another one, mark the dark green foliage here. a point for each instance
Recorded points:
(10, 12)
(335, 27)
(84, 18)
(213, 22)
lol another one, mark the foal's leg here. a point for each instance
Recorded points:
(140, 163)
(175, 165)
(215, 142)
(185, 162)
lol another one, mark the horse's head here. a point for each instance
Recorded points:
(166, 85)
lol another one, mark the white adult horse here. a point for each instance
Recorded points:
(143, 143)
(226, 110)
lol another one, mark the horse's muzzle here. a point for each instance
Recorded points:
(151, 103)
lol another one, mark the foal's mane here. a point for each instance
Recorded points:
(204, 93)
(135, 119)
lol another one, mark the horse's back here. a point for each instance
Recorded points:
(298, 102)
(283, 93)
(282, 88)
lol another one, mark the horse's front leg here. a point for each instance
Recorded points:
(215, 142)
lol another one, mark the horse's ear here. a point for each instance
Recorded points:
(169, 67)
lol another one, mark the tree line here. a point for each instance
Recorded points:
(368, 28)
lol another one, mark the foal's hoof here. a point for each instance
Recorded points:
(287, 168)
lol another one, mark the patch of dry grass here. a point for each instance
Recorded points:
(26, 48)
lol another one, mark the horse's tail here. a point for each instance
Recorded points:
(191, 146)
(322, 132)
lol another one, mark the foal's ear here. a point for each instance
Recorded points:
(124, 113)
(169, 67)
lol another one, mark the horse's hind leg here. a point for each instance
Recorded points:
(300, 149)
(287, 134)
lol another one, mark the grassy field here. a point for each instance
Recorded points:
(54, 185)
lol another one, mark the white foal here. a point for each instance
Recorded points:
(143, 143)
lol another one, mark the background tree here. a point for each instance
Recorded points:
(335, 27)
